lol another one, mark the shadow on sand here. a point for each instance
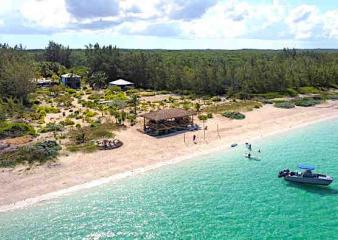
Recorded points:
(320, 190)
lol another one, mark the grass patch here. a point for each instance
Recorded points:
(270, 95)
(307, 102)
(332, 96)
(85, 147)
(234, 115)
(238, 106)
(52, 127)
(12, 130)
(47, 109)
(147, 94)
(284, 104)
(37, 153)
(83, 139)
(308, 90)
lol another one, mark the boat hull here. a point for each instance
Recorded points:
(313, 181)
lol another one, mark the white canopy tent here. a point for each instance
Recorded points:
(121, 83)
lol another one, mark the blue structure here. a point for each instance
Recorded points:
(306, 167)
(71, 80)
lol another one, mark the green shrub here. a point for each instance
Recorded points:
(307, 102)
(291, 92)
(89, 113)
(39, 152)
(147, 94)
(132, 91)
(11, 130)
(285, 104)
(265, 101)
(308, 90)
(332, 97)
(47, 109)
(70, 90)
(95, 96)
(86, 147)
(202, 117)
(234, 115)
(235, 106)
(82, 139)
(209, 115)
(271, 95)
(52, 127)
(68, 122)
(333, 85)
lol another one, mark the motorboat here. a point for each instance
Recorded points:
(306, 177)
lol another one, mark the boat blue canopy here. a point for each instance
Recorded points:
(306, 167)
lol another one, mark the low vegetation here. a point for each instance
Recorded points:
(234, 115)
(52, 127)
(37, 153)
(239, 106)
(83, 138)
(15, 129)
(284, 104)
(307, 102)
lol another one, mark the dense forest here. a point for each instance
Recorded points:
(239, 72)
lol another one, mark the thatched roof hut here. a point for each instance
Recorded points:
(167, 120)
(165, 114)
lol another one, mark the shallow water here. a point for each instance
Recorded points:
(219, 196)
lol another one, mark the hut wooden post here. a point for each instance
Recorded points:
(144, 124)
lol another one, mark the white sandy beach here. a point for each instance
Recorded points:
(141, 153)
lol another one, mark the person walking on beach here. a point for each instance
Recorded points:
(194, 138)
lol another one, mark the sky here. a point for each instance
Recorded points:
(171, 24)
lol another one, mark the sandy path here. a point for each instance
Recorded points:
(140, 150)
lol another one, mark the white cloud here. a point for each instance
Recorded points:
(46, 13)
(269, 14)
(184, 19)
(141, 9)
(303, 20)
(224, 20)
(235, 18)
(330, 24)
(6, 6)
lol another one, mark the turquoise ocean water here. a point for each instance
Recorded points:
(219, 196)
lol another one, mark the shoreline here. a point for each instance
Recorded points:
(208, 148)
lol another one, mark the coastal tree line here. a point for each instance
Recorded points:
(241, 73)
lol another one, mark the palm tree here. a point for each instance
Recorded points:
(135, 101)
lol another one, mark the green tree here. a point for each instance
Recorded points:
(98, 80)
(134, 101)
(16, 75)
(55, 52)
